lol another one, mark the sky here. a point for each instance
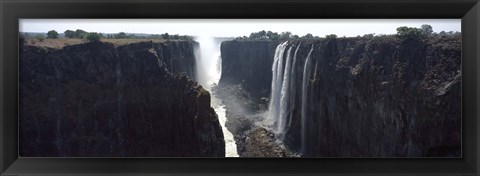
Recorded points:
(237, 27)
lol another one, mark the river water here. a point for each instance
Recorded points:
(208, 74)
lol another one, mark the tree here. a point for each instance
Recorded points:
(254, 35)
(405, 32)
(80, 33)
(272, 35)
(262, 34)
(52, 34)
(285, 35)
(121, 35)
(427, 29)
(308, 36)
(93, 36)
(69, 34)
(331, 36)
(370, 36)
(165, 36)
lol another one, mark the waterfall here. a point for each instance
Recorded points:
(305, 81)
(283, 89)
(209, 68)
(284, 92)
(277, 74)
(207, 57)
(292, 87)
(282, 99)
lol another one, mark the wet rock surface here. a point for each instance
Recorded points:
(244, 118)
(249, 64)
(261, 143)
(380, 96)
(97, 100)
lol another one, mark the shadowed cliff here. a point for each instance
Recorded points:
(98, 99)
(366, 96)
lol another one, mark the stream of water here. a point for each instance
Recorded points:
(209, 70)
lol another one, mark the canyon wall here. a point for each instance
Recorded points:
(248, 63)
(98, 100)
(364, 96)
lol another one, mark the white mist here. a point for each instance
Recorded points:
(209, 70)
(208, 61)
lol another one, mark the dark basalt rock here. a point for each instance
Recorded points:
(261, 143)
(249, 64)
(97, 99)
(378, 96)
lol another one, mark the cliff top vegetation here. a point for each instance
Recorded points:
(53, 39)
(403, 33)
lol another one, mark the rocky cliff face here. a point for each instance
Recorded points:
(248, 63)
(97, 99)
(370, 96)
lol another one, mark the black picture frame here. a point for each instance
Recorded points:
(11, 11)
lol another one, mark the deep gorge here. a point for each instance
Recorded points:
(98, 99)
(355, 97)
(332, 97)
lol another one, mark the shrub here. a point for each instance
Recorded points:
(40, 38)
(69, 34)
(427, 29)
(52, 34)
(93, 36)
(80, 33)
(331, 36)
(121, 35)
(165, 36)
(405, 33)
(307, 36)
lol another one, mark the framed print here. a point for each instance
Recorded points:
(249, 87)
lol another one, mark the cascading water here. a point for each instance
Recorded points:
(292, 85)
(281, 104)
(208, 73)
(284, 93)
(274, 106)
(282, 99)
(304, 115)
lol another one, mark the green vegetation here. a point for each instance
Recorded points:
(402, 32)
(421, 33)
(120, 35)
(93, 36)
(405, 33)
(165, 36)
(331, 36)
(40, 38)
(269, 35)
(52, 34)
(69, 34)
(308, 36)
(80, 34)
(427, 29)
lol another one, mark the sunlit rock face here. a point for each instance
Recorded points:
(360, 97)
(97, 99)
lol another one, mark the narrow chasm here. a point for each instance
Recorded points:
(371, 96)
